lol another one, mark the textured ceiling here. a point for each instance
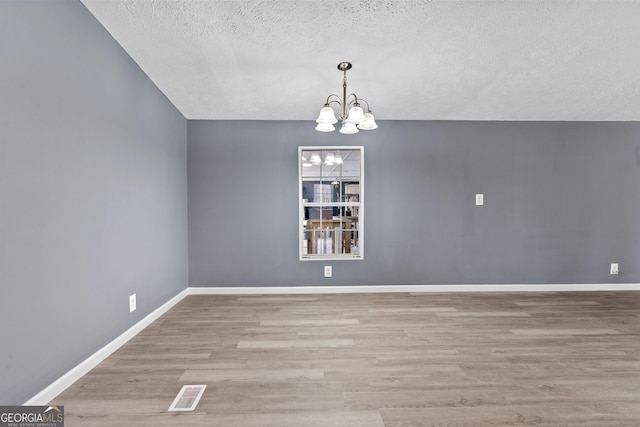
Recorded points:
(413, 60)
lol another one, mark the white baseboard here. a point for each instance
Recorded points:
(269, 290)
(61, 384)
(58, 386)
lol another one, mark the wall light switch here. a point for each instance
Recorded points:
(614, 268)
(479, 199)
(328, 271)
(132, 303)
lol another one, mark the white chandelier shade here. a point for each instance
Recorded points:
(315, 159)
(325, 127)
(356, 114)
(349, 128)
(327, 116)
(369, 122)
(328, 159)
(353, 120)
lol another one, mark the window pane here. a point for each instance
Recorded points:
(330, 202)
(328, 234)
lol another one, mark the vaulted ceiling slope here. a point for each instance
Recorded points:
(412, 60)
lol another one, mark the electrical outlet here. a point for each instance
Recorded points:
(132, 303)
(328, 271)
(614, 268)
(479, 199)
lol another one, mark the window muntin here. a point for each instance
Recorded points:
(331, 203)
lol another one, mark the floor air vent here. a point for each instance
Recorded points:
(188, 398)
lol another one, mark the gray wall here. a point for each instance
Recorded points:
(93, 193)
(562, 201)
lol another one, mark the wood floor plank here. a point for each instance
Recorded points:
(548, 332)
(303, 419)
(484, 314)
(310, 322)
(302, 343)
(376, 360)
(207, 375)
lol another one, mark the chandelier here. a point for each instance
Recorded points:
(353, 121)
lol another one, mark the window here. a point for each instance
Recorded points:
(331, 203)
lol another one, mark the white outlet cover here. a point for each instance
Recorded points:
(479, 199)
(328, 271)
(132, 303)
(614, 268)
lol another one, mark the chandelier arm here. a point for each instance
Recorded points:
(352, 101)
(368, 108)
(329, 97)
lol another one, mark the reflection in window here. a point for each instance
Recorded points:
(331, 207)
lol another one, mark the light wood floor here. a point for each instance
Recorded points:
(373, 360)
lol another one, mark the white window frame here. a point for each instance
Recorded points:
(301, 206)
